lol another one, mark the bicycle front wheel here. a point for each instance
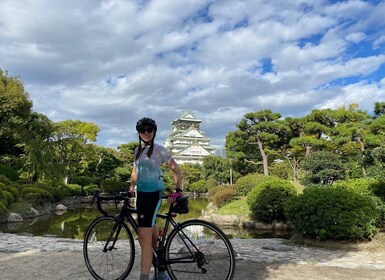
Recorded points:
(197, 249)
(108, 249)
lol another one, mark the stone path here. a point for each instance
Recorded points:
(274, 251)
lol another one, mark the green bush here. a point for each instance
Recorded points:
(13, 190)
(90, 189)
(333, 213)
(3, 209)
(72, 190)
(267, 200)
(224, 196)
(82, 180)
(199, 186)
(246, 183)
(8, 172)
(211, 193)
(112, 186)
(211, 183)
(4, 180)
(35, 194)
(378, 189)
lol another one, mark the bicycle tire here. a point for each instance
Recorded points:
(215, 259)
(116, 262)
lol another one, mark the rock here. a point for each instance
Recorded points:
(225, 220)
(14, 218)
(60, 207)
(263, 226)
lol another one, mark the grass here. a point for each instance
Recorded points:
(237, 207)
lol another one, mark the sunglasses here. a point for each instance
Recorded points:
(148, 130)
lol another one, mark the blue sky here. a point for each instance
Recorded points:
(113, 62)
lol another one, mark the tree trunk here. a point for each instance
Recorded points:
(362, 148)
(264, 157)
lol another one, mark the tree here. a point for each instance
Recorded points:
(324, 167)
(39, 151)
(379, 108)
(215, 167)
(15, 108)
(72, 137)
(264, 129)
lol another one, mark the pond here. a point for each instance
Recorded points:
(74, 222)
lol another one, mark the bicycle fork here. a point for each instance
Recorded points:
(115, 230)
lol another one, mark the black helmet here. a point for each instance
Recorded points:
(146, 121)
(181, 205)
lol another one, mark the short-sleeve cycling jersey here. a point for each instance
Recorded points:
(149, 174)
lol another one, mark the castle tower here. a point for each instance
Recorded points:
(187, 143)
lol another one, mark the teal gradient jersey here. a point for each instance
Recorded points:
(148, 172)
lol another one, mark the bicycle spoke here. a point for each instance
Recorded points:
(116, 261)
(200, 250)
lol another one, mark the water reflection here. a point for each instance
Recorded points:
(73, 223)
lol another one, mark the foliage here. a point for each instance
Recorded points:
(211, 183)
(224, 196)
(36, 195)
(3, 209)
(215, 167)
(267, 200)
(72, 190)
(214, 190)
(199, 186)
(323, 167)
(246, 183)
(332, 213)
(14, 191)
(236, 207)
(8, 172)
(90, 189)
(81, 180)
(112, 186)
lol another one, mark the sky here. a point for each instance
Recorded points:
(113, 62)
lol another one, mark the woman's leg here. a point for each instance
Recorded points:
(145, 241)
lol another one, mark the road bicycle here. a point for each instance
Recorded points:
(193, 249)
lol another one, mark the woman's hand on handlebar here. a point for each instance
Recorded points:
(172, 198)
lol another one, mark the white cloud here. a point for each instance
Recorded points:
(112, 62)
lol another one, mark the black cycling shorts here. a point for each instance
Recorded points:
(148, 204)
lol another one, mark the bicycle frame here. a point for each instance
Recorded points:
(126, 213)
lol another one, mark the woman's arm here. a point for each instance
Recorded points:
(133, 179)
(176, 173)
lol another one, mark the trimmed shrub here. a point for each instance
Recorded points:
(333, 213)
(378, 189)
(3, 209)
(267, 200)
(72, 190)
(369, 187)
(34, 194)
(90, 189)
(199, 186)
(8, 172)
(224, 196)
(4, 180)
(112, 186)
(246, 183)
(214, 190)
(82, 180)
(211, 183)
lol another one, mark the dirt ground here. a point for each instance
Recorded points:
(70, 265)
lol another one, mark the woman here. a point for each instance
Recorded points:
(148, 179)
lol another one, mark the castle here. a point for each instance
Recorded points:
(187, 143)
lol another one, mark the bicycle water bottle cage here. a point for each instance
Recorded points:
(181, 205)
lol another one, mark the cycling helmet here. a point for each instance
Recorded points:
(181, 205)
(146, 121)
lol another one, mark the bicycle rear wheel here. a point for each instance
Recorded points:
(197, 249)
(108, 249)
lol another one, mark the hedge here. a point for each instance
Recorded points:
(333, 213)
